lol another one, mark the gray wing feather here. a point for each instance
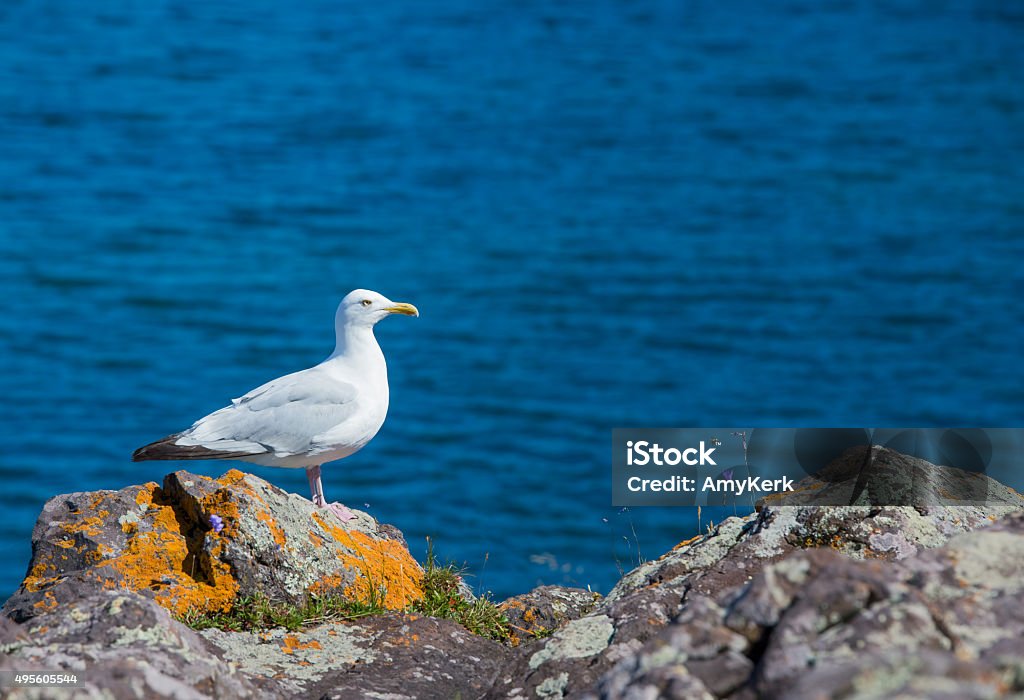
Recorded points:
(280, 417)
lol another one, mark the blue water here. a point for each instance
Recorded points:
(609, 214)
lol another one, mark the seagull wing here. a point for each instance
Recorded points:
(279, 418)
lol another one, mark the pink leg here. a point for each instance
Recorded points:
(316, 489)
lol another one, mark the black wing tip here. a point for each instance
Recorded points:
(161, 449)
(167, 448)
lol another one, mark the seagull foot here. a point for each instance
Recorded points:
(343, 514)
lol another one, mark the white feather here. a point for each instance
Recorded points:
(317, 415)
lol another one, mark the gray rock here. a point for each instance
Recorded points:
(562, 665)
(159, 541)
(890, 478)
(419, 657)
(791, 602)
(123, 645)
(694, 656)
(754, 605)
(944, 623)
(852, 625)
(394, 656)
(926, 674)
(546, 609)
(112, 569)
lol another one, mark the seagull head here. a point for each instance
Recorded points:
(364, 308)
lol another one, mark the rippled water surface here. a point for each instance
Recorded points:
(609, 214)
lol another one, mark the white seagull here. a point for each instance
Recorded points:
(307, 418)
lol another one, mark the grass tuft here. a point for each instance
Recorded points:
(258, 612)
(442, 598)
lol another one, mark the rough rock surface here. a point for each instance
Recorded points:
(791, 602)
(730, 615)
(889, 478)
(159, 541)
(123, 645)
(394, 656)
(662, 632)
(540, 612)
(945, 623)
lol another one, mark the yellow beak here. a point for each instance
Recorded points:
(403, 308)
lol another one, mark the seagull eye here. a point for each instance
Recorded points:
(366, 302)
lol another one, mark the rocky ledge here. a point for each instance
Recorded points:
(791, 602)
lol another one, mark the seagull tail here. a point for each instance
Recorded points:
(167, 448)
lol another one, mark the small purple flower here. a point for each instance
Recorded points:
(727, 474)
(216, 524)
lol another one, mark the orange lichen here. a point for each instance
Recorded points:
(167, 552)
(383, 566)
(48, 603)
(220, 503)
(91, 526)
(292, 644)
(232, 477)
(159, 558)
(687, 542)
(326, 585)
(145, 496)
(41, 575)
(835, 541)
(168, 556)
(236, 480)
(275, 530)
